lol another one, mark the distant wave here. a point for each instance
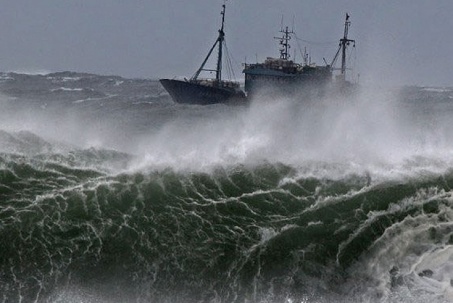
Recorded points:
(67, 89)
(438, 89)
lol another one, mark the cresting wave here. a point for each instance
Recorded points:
(80, 226)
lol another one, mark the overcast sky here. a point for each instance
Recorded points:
(398, 42)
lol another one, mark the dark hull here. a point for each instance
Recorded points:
(194, 93)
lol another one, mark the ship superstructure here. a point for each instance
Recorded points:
(284, 77)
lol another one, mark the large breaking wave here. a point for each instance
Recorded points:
(276, 202)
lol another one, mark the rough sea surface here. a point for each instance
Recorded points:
(110, 192)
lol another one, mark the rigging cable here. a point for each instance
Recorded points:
(229, 65)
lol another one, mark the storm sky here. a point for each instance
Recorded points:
(400, 42)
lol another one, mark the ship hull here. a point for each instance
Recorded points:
(193, 93)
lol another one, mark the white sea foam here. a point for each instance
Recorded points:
(406, 261)
(67, 89)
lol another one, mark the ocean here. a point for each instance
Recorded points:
(110, 192)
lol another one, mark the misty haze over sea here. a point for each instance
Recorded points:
(110, 192)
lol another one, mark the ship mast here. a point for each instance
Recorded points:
(344, 43)
(220, 40)
(284, 42)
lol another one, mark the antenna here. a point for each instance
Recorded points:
(284, 42)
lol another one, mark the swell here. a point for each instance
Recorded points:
(262, 232)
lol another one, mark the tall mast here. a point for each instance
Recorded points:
(220, 40)
(344, 43)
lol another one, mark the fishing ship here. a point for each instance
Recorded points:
(205, 91)
(284, 77)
